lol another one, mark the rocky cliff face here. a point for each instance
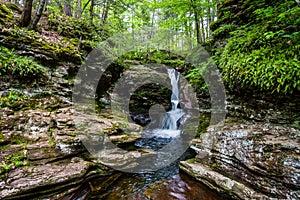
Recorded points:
(255, 154)
(40, 150)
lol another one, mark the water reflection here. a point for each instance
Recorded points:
(177, 187)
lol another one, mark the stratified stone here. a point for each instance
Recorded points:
(35, 181)
(261, 156)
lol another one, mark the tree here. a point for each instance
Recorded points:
(92, 11)
(105, 11)
(26, 14)
(197, 21)
(79, 7)
(38, 14)
(67, 8)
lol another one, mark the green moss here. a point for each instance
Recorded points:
(14, 8)
(12, 161)
(13, 100)
(74, 134)
(267, 154)
(5, 13)
(204, 121)
(51, 139)
(36, 43)
(192, 160)
(213, 165)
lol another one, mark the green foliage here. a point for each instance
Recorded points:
(263, 53)
(13, 99)
(12, 161)
(195, 78)
(76, 28)
(156, 56)
(19, 66)
(224, 31)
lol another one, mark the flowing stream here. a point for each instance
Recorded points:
(167, 183)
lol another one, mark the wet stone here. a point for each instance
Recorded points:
(262, 156)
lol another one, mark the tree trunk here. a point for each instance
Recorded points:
(202, 29)
(67, 8)
(26, 14)
(84, 7)
(208, 20)
(78, 15)
(105, 11)
(197, 21)
(92, 11)
(38, 14)
(46, 6)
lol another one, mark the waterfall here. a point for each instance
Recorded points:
(172, 117)
(169, 123)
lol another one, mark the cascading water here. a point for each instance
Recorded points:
(173, 116)
(168, 182)
(160, 136)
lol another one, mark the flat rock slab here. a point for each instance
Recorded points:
(42, 179)
(217, 181)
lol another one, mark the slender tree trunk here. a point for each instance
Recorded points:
(78, 15)
(207, 22)
(38, 14)
(84, 7)
(67, 8)
(46, 6)
(202, 29)
(61, 9)
(26, 14)
(197, 21)
(92, 11)
(105, 11)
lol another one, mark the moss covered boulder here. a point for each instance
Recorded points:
(256, 45)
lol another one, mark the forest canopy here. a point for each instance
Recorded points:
(254, 43)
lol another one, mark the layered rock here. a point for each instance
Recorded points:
(248, 160)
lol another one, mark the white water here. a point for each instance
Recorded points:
(172, 117)
(169, 123)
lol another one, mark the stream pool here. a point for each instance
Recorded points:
(178, 186)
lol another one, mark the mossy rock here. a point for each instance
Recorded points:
(6, 15)
(14, 8)
(22, 39)
(254, 43)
